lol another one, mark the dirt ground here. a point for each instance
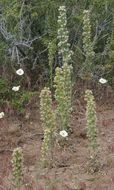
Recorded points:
(68, 170)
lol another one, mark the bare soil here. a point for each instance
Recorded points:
(68, 169)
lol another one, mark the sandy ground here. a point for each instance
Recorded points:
(68, 169)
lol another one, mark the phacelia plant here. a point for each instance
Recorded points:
(51, 53)
(62, 36)
(48, 122)
(63, 95)
(87, 44)
(17, 168)
(92, 129)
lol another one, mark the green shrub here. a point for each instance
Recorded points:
(20, 99)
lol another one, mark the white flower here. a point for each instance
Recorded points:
(16, 88)
(63, 133)
(1, 115)
(102, 80)
(20, 72)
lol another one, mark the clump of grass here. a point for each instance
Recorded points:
(17, 168)
(63, 95)
(92, 130)
(48, 123)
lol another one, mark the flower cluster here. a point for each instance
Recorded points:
(87, 43)
(63, 95)
(17, 165)
(48, 122)
(63, 45)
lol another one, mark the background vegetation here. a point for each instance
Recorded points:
(28, 27)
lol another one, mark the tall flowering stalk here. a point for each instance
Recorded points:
(63, 45)
(51, 53)
(17, 166)
(48, 122)
(62, 80)
(87, 43)
(63, 95)
(92, 129)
